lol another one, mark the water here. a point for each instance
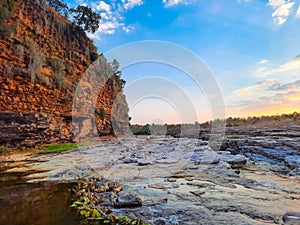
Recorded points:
(43, 203)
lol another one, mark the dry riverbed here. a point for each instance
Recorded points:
(251, 180)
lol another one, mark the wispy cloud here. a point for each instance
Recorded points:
(263, 61)
(170, 3)
(276, 3)
(275, 95)
(293, 65)
(298, 12)
(283, 102)
(250, 90)
(292, 86)
(282, 10)
(129, 4)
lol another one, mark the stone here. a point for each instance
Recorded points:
(196, 183)
(144, 163)
(171, 180)
(130, 160)
(156, 186)
(292, 218)
(159, 222)
(106, 198)
(125, 199)
(197, 193)
(236, 161)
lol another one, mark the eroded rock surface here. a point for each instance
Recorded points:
(183, 181)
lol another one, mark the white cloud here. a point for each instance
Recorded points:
(263, 61)
(127, 29)
(282, 10)
(102, 6)
(170, 3)
(129, 4)
(281, 14)
(112, 18)
(298, 12)
(293, 65)
(276, 3)
(108, 27)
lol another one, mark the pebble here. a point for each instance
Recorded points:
(171, 180)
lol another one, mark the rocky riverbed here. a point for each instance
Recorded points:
(253, 179)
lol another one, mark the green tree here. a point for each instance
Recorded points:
(86, 18)
(59, 6)
(117, 73)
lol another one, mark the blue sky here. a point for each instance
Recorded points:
(250, 46)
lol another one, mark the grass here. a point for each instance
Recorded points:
(6, 150)
(235, 136)
(215, 137)
(44, 149)
(57, 148)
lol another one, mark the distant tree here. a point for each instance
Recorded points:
(59, 6)
(86, 18)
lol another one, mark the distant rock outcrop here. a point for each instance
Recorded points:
(42, 59)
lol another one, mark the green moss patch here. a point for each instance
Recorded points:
(57, 148)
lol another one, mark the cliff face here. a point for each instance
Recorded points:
(42, 58)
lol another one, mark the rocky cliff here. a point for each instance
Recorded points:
(42, 59)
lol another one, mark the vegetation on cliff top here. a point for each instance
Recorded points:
(83, 16)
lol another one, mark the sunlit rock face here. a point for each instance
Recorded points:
(42, 59)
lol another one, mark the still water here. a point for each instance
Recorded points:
(44, 203)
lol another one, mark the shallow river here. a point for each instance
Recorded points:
(43, 203)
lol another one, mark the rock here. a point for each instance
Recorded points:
(128, 161)
(159, 201)
(106, 198)
(171, 180)
(144, 163)
(190, 178)
(159, 222)
(156, 186)
(127, 200)
(292, 218)
(196, 183)
(197, 193)
(236, 161)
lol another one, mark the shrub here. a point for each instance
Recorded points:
(7, 69)
(43, 79)
(19, 50)
(36, 60)
(58, 68)
(59, 80)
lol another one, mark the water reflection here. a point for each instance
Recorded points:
(44, 203)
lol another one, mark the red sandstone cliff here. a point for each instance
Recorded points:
(42, 58)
